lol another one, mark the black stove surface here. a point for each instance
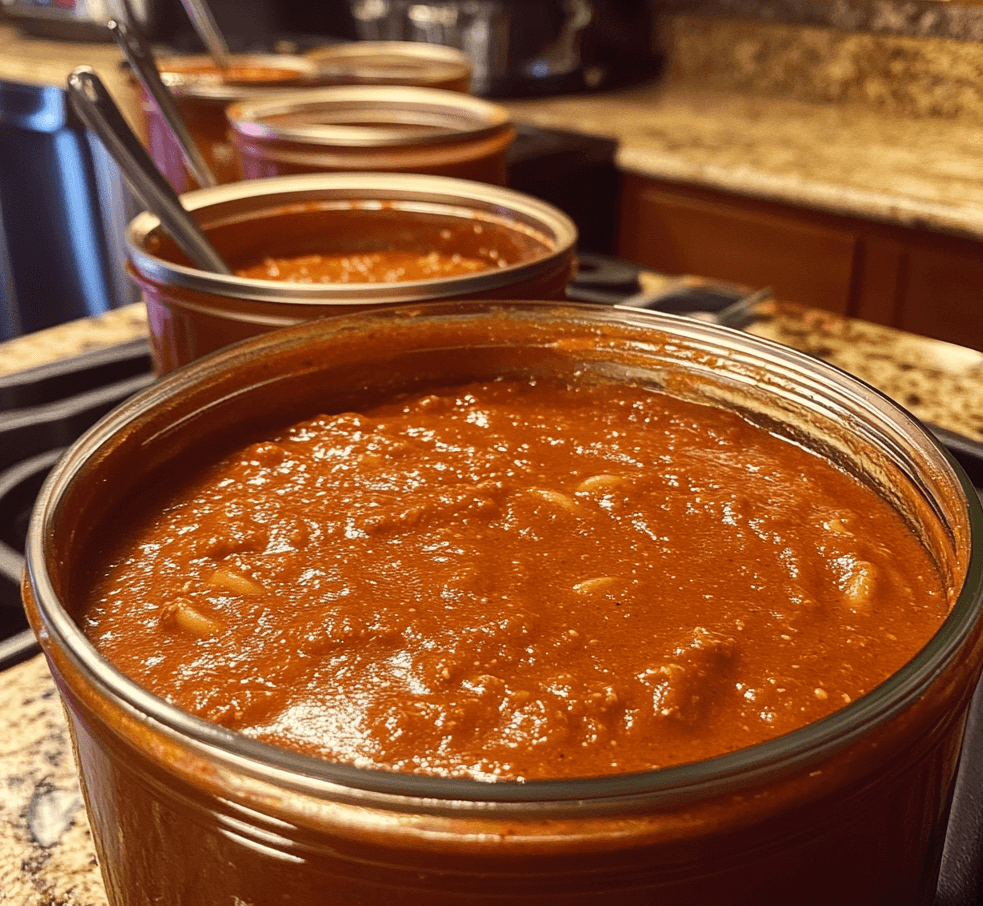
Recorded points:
(43, 410)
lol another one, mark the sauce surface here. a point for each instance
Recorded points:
(364, 267)
(177, 73)
(516, 580)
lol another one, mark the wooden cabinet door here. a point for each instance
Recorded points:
(917, 279)
(942, 294)
(679, 232)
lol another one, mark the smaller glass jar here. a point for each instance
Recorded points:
(393, 63)
(393, 129)
(202, 92)
(529, 248)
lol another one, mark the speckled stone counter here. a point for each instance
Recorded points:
(72, 338)
(46, 853)
(35, 61)
(877, 126)
(842, 158)
(938, 382)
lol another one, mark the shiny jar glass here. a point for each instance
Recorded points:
(369, 128)
(202, 92)
(529, 245)
(848, 810)
(393, 63)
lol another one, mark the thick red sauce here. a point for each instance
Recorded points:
(514, 580)
(365, 267)
(241, 74)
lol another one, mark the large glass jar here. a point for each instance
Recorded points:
(848, 810)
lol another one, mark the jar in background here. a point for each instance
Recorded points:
(391, 129)
(849, 810)
(392, 63)
(202, 92)
(528, 245)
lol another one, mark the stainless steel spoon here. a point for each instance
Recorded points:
(97, 109)
(139, 55)
(207, 29)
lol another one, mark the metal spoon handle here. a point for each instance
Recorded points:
(97, 109)
(141, 58)
(207, 28)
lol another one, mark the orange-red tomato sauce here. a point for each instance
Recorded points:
(364, 267)
(516, 580)
(243, 74)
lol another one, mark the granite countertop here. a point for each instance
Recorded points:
(46, 853)
(878, 126)
(41, 61)
(888, 129)
(36, 61)
(844, 159)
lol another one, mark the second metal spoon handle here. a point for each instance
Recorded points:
(97, 109)
(204, 22)
(141, 58)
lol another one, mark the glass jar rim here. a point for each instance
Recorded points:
(375, 59)
(368, 117)
(197, 76)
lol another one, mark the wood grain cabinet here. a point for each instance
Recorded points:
(915, 279)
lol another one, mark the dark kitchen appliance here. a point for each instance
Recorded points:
(519, 47)
(63, 212)
(526, 47)
(75, 20)
(576, 172)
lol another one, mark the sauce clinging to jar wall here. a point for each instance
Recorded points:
(364, 267)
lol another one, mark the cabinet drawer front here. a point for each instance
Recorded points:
(801, 261)
(943, 295)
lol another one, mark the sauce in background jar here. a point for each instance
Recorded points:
(527, 245)
(202, 93)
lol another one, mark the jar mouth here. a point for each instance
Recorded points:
(390, 62)
(197, 76)
(895, 433)
(550, 233)
(366, 116)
